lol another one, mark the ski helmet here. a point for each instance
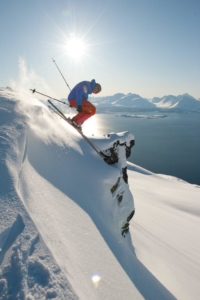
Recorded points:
(99, 87)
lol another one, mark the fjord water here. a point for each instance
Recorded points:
(169, 144)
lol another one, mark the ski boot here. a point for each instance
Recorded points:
(76, 125)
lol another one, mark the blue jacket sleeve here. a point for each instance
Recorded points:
(79, 95)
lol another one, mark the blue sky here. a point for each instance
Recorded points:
(147, 47)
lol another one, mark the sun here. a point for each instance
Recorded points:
(76, 48)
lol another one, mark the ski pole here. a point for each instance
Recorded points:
(34, 91)
(61, 74)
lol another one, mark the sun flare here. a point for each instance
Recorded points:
(76, 48)
(90, 126)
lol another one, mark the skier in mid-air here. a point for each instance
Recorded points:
(78, 98)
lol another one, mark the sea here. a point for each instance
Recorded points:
(165, 143)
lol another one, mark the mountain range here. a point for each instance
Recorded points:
(135, 102)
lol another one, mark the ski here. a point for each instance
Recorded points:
(100, 153)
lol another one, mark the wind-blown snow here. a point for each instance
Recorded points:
(59, 231)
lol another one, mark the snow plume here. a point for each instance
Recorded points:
(28, 79)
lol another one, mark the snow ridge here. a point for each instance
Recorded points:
(62, 209)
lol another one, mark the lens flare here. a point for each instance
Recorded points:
(66, 13)
(96, 279)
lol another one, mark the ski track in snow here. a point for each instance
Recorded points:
(59, 221)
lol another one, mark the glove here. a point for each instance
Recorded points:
(79, 109)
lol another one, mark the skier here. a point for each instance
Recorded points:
(78, 98)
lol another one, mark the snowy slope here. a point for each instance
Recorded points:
(59, 233)
(166, 230)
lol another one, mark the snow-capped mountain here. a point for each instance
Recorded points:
(181, 102)
(120, 100)
(60, 211)
(135, 102)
